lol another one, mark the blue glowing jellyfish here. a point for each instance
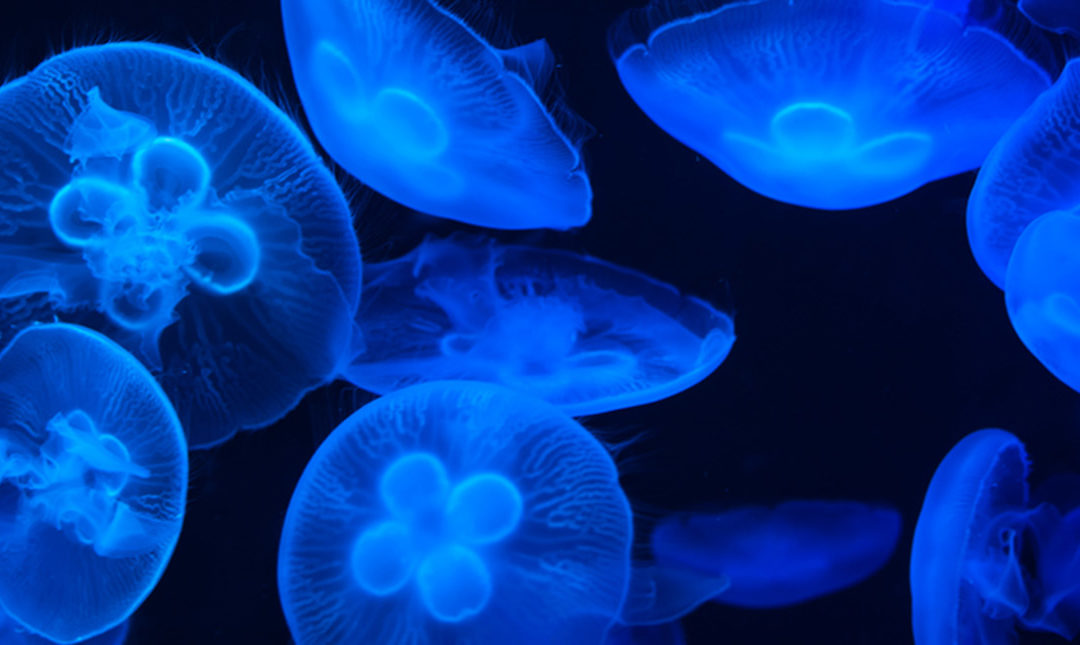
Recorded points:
(781, 556)
(831, 104)
(660, 594)
(12, 633)
(409, 99)
(982, 559)
(93, 476)
(1033, 170)
(575, 331)
(663, 634)
(1061, 16)
(158, 197)
(455, 512)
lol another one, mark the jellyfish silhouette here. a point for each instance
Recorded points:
(578, 332)
(1032, 171)
(830, 104)
(12, 633)
(781, 556)
(984, 560)
(1061, 16)
(93, 475)
(455, 512)
(412, 101)
(156, 196)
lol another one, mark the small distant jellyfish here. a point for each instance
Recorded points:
(983, 560)
(12, 633)
(158, 197)
(1061, 16)
(828, 104)
(1032, 171)
(93, 477)
(455, 512)
(416, 104)
(578, 332)
(781, 556)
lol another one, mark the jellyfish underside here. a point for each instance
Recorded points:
(434, 535)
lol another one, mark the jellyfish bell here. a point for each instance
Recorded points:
(416, 104)
(456, 511)
(93, 477)
(12, 633)
(158, 197)
(1060, 16)
(829, 104)
(578, 332)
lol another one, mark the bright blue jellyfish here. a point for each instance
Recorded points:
(784, 555)
(1032, 171)
(1061, 16)
(93, 477)
(578, 332)
(663, 634)
(972, 577)
(455, 512)
(158, 197)
(409, 99)
(830, 104)
(12, 633)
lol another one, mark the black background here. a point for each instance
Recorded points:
(868, 341)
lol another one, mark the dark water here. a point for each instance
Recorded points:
(868, 341)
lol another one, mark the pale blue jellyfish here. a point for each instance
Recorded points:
(1061, 16)
(12, 633)
(158, 197)
(455, 512)
(578, 332)
(1033, 170)
(93, 477)
(983, 560)
(831, 104)
(784, 555)
(417, 105)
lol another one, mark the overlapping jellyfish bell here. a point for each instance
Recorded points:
(12, 633)
(578, 332)
(417, 105)
(158, 197)
(780, 556)
(455, 512)
(93, 477)
(831, 104)
(1032, 171)
(1061, 16)
(983, 561)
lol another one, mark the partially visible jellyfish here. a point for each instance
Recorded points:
(578, 332)
(417, 105)
(1042, 292)
(829, 104)
(983, 560)
(455, 512)
(12, 633)
(158, 197)
(1032, 171)
(660, 594)
(1061, 16)
(663, 634)
(784, 555)
(93, 477)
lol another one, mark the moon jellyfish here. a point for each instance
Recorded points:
(578, 332)
(159, 198)
(455, 512)
(784, 555)
(1061, 16)
(409, 99)
(984, 560)
(830, 104)
(1031, 171)
(11, 633)
(93, 475)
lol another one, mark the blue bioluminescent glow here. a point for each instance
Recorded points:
(578, 332)
(158, 197)
(784, 555)
(456, 512)
(983, 560)
(93, 477)
(12, 633)
(417, 105)
(831, 104)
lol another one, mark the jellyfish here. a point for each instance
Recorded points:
(156, 196)
(93, 477)
(578, 332)
(781, 556)
(828, 104)
(983, 559)
(1061, 16)
(416, 104)
(1032, 171)
(11, 633)
(455, 512)
(663, 634)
